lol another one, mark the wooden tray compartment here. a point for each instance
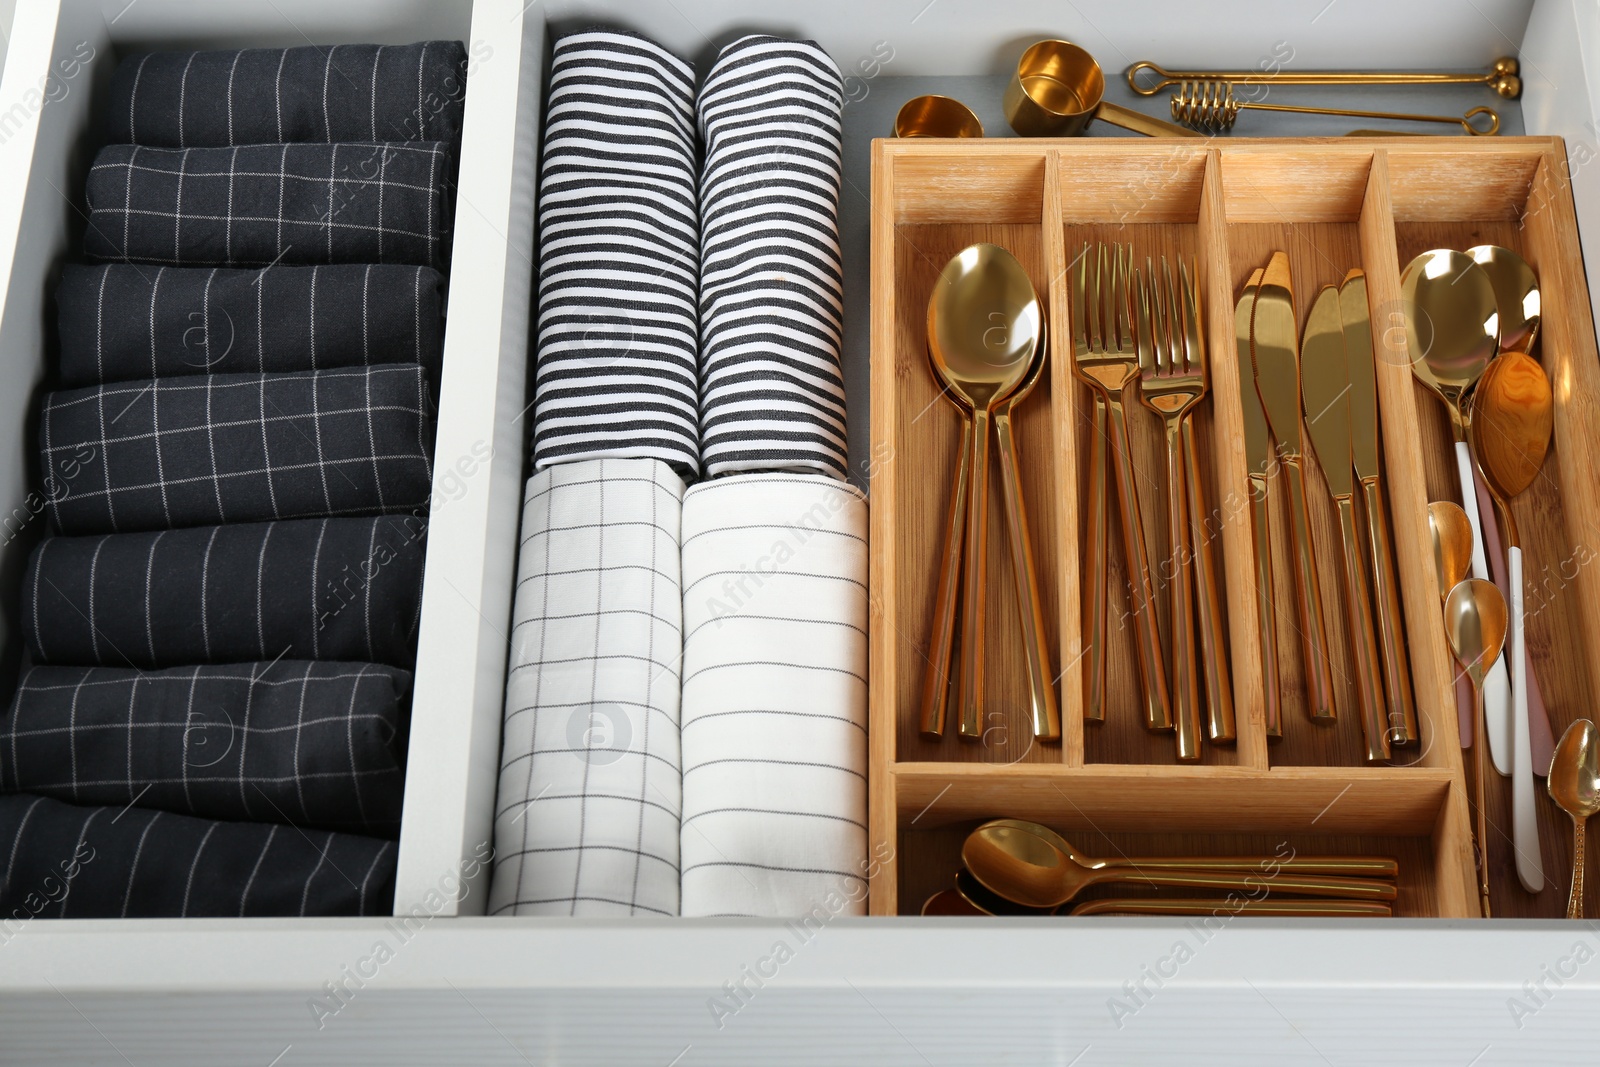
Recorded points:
(1333, 204)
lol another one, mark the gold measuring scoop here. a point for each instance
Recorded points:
(1502, 77)
(1058, 88)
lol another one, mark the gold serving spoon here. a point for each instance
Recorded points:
(1475, 625)
(1513, 417)
(1031, 869)
(1574, 784)
(984, 325)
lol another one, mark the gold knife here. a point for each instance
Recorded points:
(1325, 388)
(1359, 355)
(1258, 462)
(1274, 342)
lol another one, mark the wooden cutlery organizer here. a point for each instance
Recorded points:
(1112, 786)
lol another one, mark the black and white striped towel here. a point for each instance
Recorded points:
(617, 366)
(71, 862)
(325, 589)
(586, 822)
(774, 697)
(197, 450)
(264, 204)
(127, 321)
(312, 744)
(350, 92)
(771, 280)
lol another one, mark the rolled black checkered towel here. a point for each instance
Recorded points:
(312, 744)
(197, 450)
(323, 589)
(126, 321)
(349, 92)
(617, 366)
(771, 282)
(263, 204)
(71, 862)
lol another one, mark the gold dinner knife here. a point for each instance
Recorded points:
(1325, 388)
(1359, 356)
(1274, 341)
(1258, 462)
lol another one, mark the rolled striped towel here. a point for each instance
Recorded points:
(771, 282)
(125, 321)
(72, 862)
(774, 697)
(586, 822)
(617, 364)
(349, 92)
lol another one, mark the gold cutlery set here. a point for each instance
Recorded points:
(1015, 867)
(1330, 376)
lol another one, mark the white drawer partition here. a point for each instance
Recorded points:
(449, 988)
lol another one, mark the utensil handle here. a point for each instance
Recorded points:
(936, 678)
(1220, 724)
(1313, 637)
(1487, 539)
(1221, 908)
(1358, 613)
(1180, 565)
(1317, 885)
(1139, 122)
(1521, 671)
(1099, 564)
(1043, 710)
(1481, 767)
(1266, 604)
(1147, 635)
(1403, 728)
(1524, 820)
(1266, 866)
(1575, 898)
(975, 584)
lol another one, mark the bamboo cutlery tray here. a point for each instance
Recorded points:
(1112, 787)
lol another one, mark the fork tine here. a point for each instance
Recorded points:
(1176, 359)
(1191, 319)
(1158, 333)
(1144, 336)
(1124, 296)
(1079, 279)
(1098, 325)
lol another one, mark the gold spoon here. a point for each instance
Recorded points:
(1452, 559)
(1043, 710)
(1364, 909)
(1513, 416)
(1475, 625)
(983, 331)
(1574, 784)
(1452, 331)
(1030, 870)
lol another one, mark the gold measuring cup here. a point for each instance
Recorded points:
(936, 116)
(1058, 88)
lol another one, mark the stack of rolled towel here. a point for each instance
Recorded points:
(220, 631)
(685, 723)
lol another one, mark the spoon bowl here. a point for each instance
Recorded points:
(1513, 415)
(1516, 292)
(1452, 326)
(1475, 625)
(1452, 544)
(984, 323)
(1574, 784)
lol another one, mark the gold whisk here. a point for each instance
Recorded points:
(1211, 106)
(1502, 77)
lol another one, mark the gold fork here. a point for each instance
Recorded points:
(1220, 724)
(1105, 358)
(1170, 387)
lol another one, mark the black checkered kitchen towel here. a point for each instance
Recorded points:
(129, 321)
(325, 589)
(771, 282)
(71, 862)
(310, 744)
(197, 450)
(617, 363)
(263, 204)
(350, 92)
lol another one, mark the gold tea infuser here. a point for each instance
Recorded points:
(1502, 77)
(1211, 106)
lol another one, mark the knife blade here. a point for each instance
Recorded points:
(1325, 389)
(1362, 373)
(1257, 439)
(1275, 342)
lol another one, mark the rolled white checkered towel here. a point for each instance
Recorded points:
(617, 364)
(771, 282)
(774, 697)
(586, 822)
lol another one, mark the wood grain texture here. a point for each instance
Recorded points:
(1332, 204)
